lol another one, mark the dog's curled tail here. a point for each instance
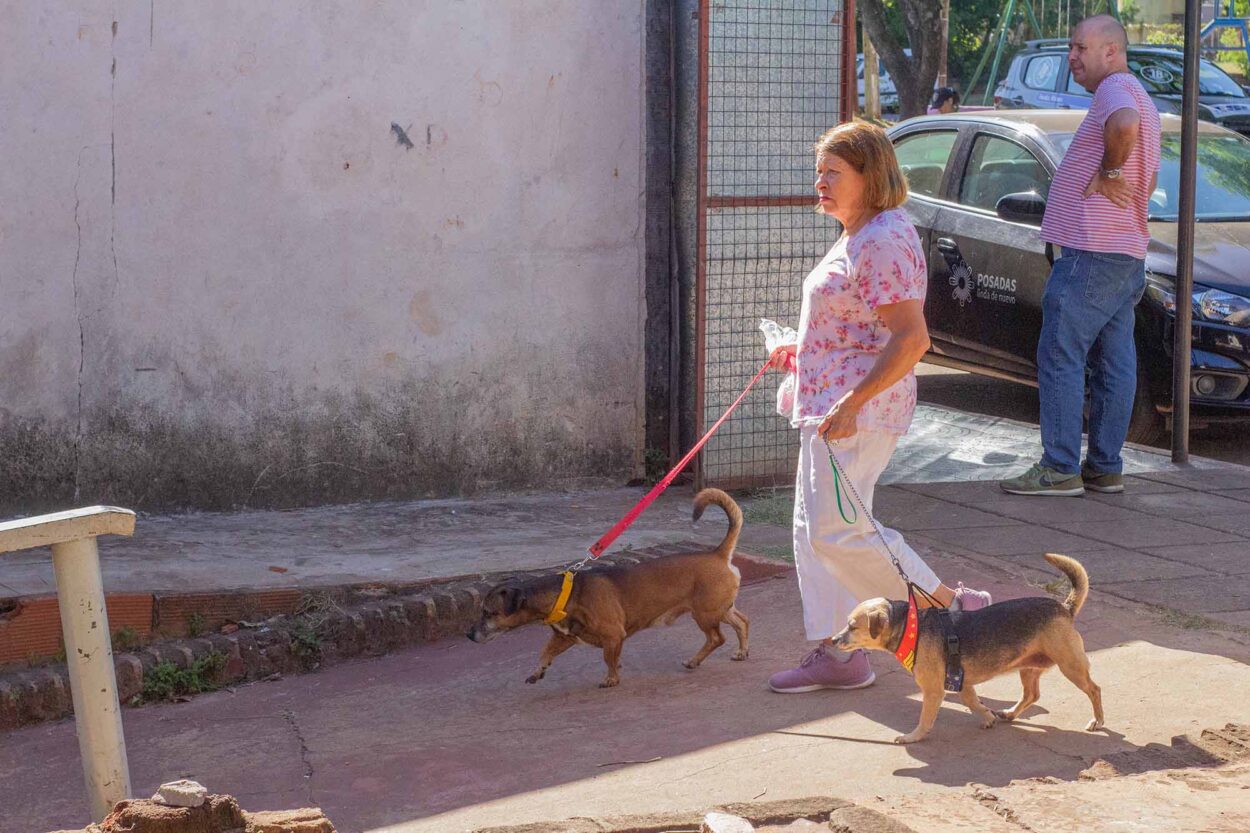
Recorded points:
(1076, 574)
(724, 501)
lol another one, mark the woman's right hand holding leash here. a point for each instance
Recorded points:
(783, 357)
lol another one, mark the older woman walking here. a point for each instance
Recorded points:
(861, 333)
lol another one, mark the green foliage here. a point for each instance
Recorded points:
(779, 552)
(777, 508)
(655, 462)
(167, 681)
(195, 625)
(125, 639)
(306, 644)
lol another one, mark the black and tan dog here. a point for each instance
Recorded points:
(608, 605)
(1029, 634)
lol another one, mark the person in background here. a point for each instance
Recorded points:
(945, 100)
(1096, 220)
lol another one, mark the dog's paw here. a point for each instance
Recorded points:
(610, 682)
(739, 656)
(988, 721)
(1094, 725)
(533, 678)
(691, 664)
(910, 737)
(1006, 717)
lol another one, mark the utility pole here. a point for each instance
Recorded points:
(946, 39)
(872, 81)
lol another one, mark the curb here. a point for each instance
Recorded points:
(326, 626)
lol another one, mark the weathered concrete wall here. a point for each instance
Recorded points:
(289, 252)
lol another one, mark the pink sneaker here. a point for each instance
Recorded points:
(968, 599)
(820, 670)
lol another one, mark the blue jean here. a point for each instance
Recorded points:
(1087, 319)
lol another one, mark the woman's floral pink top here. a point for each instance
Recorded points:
(840, 335)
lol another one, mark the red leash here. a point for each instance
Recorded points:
(632, 515)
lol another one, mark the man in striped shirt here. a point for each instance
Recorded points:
(1096, 220)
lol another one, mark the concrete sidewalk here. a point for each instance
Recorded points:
(1188, 523)
(446, 736)
(948, 457)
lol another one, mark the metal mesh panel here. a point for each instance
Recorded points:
(772, 85)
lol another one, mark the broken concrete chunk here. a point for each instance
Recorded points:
(182, 793)
(306, 820)
(863, 820)
(725, 823)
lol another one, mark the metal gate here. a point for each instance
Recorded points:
(773, 76)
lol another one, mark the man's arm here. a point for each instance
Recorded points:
(1119, 135)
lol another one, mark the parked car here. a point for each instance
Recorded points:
(1039, 78)
(979, 184)
(885, 85)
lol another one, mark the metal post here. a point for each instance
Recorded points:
(872, 81)
(1183, 335)
(943, 70)
(850, 93)
(1008, 15)
(89, 656)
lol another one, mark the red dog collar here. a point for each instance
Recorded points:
(906, 650)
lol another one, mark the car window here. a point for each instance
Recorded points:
(1041, 72)
(1162, 75)
(1222, 186)
(1076, 89)
(998, 167)
(923, 158)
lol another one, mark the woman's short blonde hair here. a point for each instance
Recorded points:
(867, 149)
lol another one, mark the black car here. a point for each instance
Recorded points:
(978, 184)
(1039, 78)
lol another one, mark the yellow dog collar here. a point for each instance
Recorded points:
(558, 613)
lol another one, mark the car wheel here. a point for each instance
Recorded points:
(1146, 425)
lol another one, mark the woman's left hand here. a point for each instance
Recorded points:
(841, 420)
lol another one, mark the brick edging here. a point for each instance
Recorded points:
(282, 644)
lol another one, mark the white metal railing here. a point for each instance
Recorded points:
(88, 645)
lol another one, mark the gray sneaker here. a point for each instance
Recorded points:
(1109, 483)
(1040, 480)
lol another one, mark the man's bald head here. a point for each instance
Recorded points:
(1098, 48)
(1105, 29)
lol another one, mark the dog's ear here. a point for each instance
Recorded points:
(877, 622)
(513, 600)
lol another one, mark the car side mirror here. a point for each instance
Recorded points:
(1023, 207)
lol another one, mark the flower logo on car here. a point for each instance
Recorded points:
(961, 279)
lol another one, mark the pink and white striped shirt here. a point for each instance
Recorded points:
(1096, 224)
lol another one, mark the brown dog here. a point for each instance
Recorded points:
(610, 604)
(1027, 634)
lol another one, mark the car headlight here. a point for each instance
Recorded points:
(1162, 293)
(1222, 307)
(1208, 304)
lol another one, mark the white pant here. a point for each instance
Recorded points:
(841, 564)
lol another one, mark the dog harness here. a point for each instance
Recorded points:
(905, 653)
(558, 613)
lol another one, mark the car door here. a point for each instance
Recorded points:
(986, 273)
(1039, 78)
(924, 155)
